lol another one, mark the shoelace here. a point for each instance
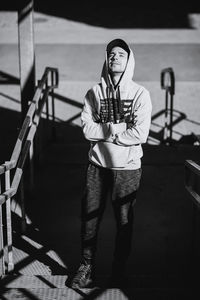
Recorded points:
(82, 271)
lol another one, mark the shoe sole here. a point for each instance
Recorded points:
(77, 286)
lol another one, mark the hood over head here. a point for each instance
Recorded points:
(117, 43)
(127, 75)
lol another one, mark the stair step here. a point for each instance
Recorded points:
(41, 294)
(52, 287)
(36, 281)
(97, 294)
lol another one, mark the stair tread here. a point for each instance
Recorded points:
(100, 294)
(34, 281)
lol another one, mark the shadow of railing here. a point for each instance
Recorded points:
(68, 100)
(171, 116)
(157, 136)
(32, 232)
(6, 78)
(9, 98)
(157, 131)
(151, 15)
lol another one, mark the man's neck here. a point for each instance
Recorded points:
(116, 78)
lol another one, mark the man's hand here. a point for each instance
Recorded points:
(133, 122)
(111, 138)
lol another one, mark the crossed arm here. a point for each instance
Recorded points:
(120, 134)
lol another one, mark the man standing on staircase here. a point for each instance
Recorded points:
(116, 118)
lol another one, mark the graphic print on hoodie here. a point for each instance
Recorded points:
(124, 111)
(114, 109)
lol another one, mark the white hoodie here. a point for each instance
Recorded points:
(124, 152)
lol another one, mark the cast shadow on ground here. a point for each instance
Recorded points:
(181, 139)
(124, 14)
(6, 78)
(57, 200)
(157, 135)
(9, 119)
(54, 209)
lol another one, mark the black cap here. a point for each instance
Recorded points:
(117, 43)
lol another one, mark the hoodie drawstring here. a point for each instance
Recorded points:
(113, 105)
(120, 108)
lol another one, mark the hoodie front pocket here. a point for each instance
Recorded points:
(110, 155)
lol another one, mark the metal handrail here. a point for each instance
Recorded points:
(168, 84)
(33, 108)
(192, 175)
(23, 146)
(192, 185)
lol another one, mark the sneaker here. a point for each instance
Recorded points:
(83, 277)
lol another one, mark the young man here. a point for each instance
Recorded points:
(116, 118)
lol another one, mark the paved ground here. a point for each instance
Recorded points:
(161, 254)
(160, 265)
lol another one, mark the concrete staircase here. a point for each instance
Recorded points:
(160, 263)
(53, 288)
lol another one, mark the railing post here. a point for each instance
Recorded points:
(53, 108)
(9, 224)
(23, 146)
(2, 264)
(192, 185)
(166, 122)
(168, 84)
(37, 141)
(47, 112)
(23, 212)
(31, 157)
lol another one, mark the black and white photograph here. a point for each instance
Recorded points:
(99, 150)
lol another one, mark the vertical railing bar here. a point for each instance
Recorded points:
(166, 117)
(192, 175)
(47, 102)
(38, 139)
(53, 107)
(171, 115)
(2, 267)
(169, 86)
(31, 157)
(9, 224)
(23, 214)
(8, 249)
(47, 110)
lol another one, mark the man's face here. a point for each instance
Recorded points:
(117, 60)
